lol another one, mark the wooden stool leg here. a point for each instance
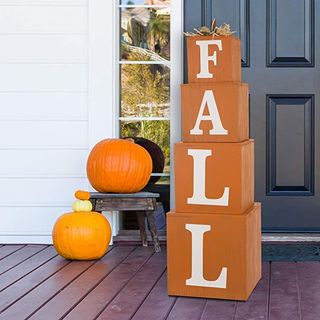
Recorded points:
(153, 230)
(142, 227)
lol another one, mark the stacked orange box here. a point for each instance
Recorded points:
(214, 235)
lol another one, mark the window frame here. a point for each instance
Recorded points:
(103, 77)
(176, 75)
(121, 62)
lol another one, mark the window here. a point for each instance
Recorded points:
(144, 75)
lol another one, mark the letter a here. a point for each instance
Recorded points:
(205, 58)
(214, 117)
(199, 181)
(197, 279)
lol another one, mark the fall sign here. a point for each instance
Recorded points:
(214, 235)
(222, 179)
(215, 112)
(214, 255)
(212, 59)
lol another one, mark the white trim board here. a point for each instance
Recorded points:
(176, 77)
(290, 237)
(102, 114)
(101, 95)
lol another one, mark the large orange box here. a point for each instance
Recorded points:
(214, 255)
(221, 58)
(215, 112)
(214, 177)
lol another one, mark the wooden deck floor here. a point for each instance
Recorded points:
(130, 283)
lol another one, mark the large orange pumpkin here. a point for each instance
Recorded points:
(120, 166)
(81, 235)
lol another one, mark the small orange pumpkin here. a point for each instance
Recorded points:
(82, 195)
(81, 235)
(116, 165)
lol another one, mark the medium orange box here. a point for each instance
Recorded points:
(214, 255)
(214, 177)
(226, 104)
(223, 64)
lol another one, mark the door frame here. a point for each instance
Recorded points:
(103, 80)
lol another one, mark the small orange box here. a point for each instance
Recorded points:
(230, 99)
(224, 63)
(224, 248)
(214, 177)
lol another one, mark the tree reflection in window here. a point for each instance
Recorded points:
(145, 72)
(146, 32)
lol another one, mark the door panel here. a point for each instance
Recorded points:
(295, 17)
(290, 145)
(280, 50)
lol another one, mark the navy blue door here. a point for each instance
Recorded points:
(281, 62)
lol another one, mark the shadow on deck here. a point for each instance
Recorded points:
(130, 283)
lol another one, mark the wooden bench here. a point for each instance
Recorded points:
(144, 203)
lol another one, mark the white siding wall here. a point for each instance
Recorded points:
(58, 97)
(44, 114)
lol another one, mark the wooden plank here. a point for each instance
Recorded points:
(65, 300)
(26, 267)
(43, 19)
(187, 309)
(43, 2)
(45, 77)
(133, 237)
(128, 204)
(125, 304)
(19, 256)
(39, 163)
(157, 304)
(309, 288)
(39, 237)
(40, 295)
(101, 296)
(35, 48)
(31, 216)
(27, 283)
(219, 310)
(284, 296)
(36, 133)
(101, 195)
(257, 305)
(6, 250)
(61, 190)
(44, 105)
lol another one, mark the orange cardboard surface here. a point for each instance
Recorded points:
(214, 255)
(213, 58)
(215, 112)
(214, 177)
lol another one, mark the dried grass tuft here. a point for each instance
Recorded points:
(223, 30)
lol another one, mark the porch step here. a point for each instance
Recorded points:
(275, 246)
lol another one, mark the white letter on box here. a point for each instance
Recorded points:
(214, 116)
(199, 181)
(197, 279)
(205, 58)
